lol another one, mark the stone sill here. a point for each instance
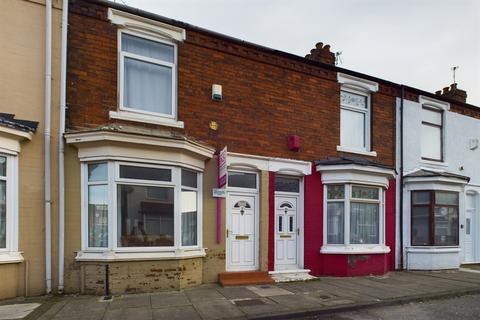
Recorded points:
(11, 257)
(114, 256)
(355, 249)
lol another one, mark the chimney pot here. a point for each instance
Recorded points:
(321, 53)
(453, 92)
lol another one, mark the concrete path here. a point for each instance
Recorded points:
(283, 300)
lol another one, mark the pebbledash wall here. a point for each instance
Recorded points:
(458, 171)
(267, 96)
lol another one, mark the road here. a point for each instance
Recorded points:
(457, 308)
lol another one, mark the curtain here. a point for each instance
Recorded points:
(3, 214)
(364, 223)
(335, 223)
(189, 217)
(98, 216)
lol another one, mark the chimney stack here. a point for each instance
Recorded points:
(321, 53)
(453, 92)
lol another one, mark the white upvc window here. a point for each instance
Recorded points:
(355, 119)
(8, 208)
(148, 73)
(354, 215)
(136, 207)
(432, 134)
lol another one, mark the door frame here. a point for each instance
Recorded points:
(474, 227)
(300, 221)
(232, 191)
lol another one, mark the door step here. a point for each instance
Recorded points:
(291, 275)
(241, 278)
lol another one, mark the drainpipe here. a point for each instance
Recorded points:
(61, 147)
(402, 95)
(47, 134)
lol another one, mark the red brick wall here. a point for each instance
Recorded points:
(266, 96)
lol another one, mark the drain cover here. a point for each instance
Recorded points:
(249, 302)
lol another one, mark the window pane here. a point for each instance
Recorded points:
(446, 226)
(335, 222)
(352, 129)
(290, 224)
(98, 216)
(336, 192)
(97, 172)
(147, 48)
(431, 116)
(448, 198)
(145, 173)
(242, 180)
(364, 193)
(147, 86)
(364, 223)
(287, 184)
(3, 214)
(189, 178)
(421, 197)
(353, 100)
(280, 223)
(431, 142)
(144, 221)
(420, 226)
(3, 166)
(189, 217)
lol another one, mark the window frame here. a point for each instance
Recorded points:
(114, 181)
(431, 215)
(121, 72)
(441, 126)
(348, 200)
(367, 113)
(11, 213)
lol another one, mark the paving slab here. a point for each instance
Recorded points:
(130, 301)
(267, 307)
(218, 309)
(269, 291)
(176, 313)
(165, 299)
(17, 311)
(138, 313)
(204, 293)
(298, 301)
(232, 293)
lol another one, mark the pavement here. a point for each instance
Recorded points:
(325, 295)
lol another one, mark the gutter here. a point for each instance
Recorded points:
(61, 148)
(47, 150)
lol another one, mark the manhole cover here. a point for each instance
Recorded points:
(249, 302)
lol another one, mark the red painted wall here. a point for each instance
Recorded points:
(338, 264)
(271, 221)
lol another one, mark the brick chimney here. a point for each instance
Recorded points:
(454, 93)
(321, 53)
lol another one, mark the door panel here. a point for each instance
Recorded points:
(241, 239)
(286, 209)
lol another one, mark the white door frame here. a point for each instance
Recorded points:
(231, 191)
(300, 220)
(474, 227)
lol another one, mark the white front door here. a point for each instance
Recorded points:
(286, 209)
(241, 228)
(471, 229)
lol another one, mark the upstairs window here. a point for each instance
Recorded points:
(431, 134)
(147, 75)
(355, 120)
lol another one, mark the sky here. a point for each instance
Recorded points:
(412, 42)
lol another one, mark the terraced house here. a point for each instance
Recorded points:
(192, 157)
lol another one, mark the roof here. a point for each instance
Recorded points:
(422, 173)
(181, 24)
(8, 120)
(331, 161)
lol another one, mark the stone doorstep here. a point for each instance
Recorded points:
(291, 275)
(17, 311)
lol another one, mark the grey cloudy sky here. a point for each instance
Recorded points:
(414, 42)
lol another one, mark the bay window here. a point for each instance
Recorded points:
(434, 218)
(131, 206)
(3, 202)
(354, 214)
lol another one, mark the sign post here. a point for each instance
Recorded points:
(221, 182)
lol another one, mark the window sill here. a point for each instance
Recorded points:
(434, 163)
(139, 256)
(355, 249)
(433, 249)
(357, 151)
(137, 117)
(11, 257)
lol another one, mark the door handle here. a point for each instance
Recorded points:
(298, 231)
(228, 232)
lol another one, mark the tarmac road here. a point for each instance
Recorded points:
(457, 308)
